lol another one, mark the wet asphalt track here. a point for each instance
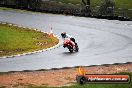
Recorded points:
(100, 41)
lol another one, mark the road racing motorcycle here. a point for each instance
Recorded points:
(70, 45)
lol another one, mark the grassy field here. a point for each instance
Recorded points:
(124, 4)
(122, 7)
(127, 85)
(14, 40)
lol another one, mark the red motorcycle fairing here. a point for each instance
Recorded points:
(68, 41)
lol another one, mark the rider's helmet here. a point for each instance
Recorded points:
(63, 34)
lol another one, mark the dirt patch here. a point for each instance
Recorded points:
(57, 77)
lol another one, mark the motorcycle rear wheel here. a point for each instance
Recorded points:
(77, 48)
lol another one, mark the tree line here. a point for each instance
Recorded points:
(41, 5)
(106, 9)
(21, 4)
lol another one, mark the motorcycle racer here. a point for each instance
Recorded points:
(69, 42)
(65, 35)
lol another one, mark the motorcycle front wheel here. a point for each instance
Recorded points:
(71, 51)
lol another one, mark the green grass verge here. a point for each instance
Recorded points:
(14, 40)
(127, 85)
(18, 10)
(4, 8)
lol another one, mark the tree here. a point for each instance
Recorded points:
(86, 10)
(86, 2)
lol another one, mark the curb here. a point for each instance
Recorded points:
(38, 51)
(73, 67)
